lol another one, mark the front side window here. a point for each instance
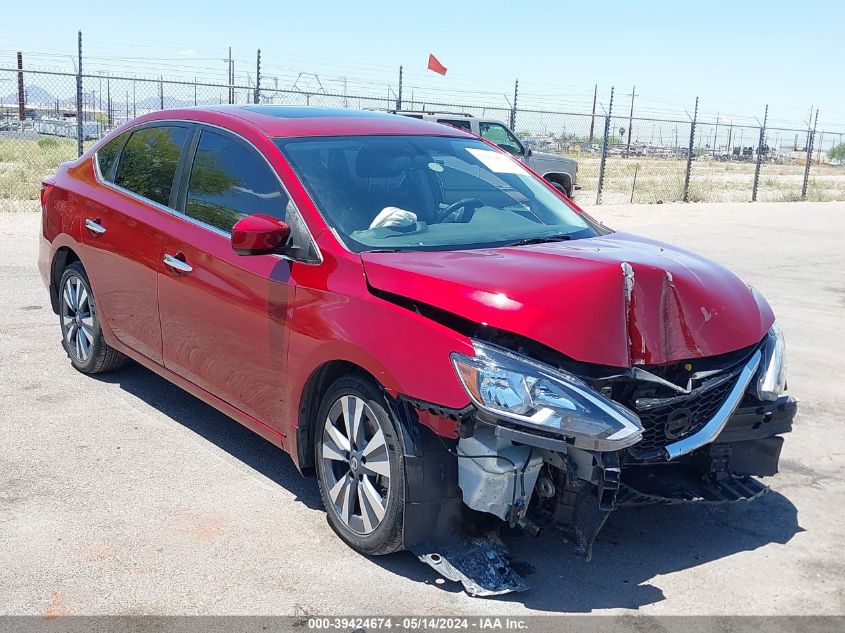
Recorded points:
(149, 160)
(501, 136)
(428, 193)
(107, 155)
(229, 181)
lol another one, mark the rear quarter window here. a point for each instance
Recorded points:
(106, 156)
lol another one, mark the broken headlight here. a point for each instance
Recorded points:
(538, 396)
(771, 382)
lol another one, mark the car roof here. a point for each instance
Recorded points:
(295, 121)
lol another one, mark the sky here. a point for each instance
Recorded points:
(736, 56)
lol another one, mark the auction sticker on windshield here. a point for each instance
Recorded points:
(496, 162)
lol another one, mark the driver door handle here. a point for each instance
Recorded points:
(177, 263)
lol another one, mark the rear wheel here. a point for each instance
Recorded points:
(82, 336)
(360, 466)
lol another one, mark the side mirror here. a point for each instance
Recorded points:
(259, 234)
(527, 151)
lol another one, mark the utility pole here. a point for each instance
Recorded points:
(810, 135)
(79, 126)
(730, 134)
(399, 96)
(821, 144)
(689, 151)
(603, 160)
(760, 143)
(630, 121)
(231, 80)
(21, 95)
(109, 119)
(513, 108)
(593, 117)
(716, 134)
(257, 98)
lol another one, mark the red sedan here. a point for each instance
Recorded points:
(413, 313)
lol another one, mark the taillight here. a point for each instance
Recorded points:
(46, 186)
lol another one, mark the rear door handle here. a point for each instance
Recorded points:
(94, 226)
(177, 264)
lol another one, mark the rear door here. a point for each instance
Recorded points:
(122, 218)
(223, 315)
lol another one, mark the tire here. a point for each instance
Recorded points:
(82, 336)
(563, 189)
(363, 489)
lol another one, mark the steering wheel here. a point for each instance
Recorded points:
(467, 207)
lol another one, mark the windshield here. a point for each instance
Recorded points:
(428, 193)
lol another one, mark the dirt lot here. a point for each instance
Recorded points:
(125, 495)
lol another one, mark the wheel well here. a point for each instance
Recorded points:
(564, 180)
(316, 386)
(63, 258)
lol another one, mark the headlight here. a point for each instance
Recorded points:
(772, 379)
(538, 396)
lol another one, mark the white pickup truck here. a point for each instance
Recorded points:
(561, 172)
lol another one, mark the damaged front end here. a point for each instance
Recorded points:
(555, 442)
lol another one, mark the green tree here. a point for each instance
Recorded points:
(837, 151)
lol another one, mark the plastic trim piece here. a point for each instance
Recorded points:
(714, 427)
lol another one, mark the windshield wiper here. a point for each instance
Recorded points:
(540, 240)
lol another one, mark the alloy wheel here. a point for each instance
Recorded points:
(77, 318)
(356, 464)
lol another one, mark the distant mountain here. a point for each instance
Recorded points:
(154, 103)
(35, 94)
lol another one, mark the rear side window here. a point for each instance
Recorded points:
(149, 159)
(230, 180)
(458, 123)
(107, 155)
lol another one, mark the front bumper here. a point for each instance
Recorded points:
(754, 420)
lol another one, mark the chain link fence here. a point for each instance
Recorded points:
(621, 159)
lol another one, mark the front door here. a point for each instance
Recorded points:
(122, 218)
(500, 135)
(223, 315)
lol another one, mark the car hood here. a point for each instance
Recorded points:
(619, 299)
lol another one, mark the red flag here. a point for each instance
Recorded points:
(435, 65)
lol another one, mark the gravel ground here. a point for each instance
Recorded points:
(125, 495)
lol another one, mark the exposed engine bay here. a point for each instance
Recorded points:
(697, 431)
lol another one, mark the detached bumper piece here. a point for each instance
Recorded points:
(729, 490)
(480, 564)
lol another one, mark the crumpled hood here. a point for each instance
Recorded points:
(617, 300)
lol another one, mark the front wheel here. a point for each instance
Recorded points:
(360, 466)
